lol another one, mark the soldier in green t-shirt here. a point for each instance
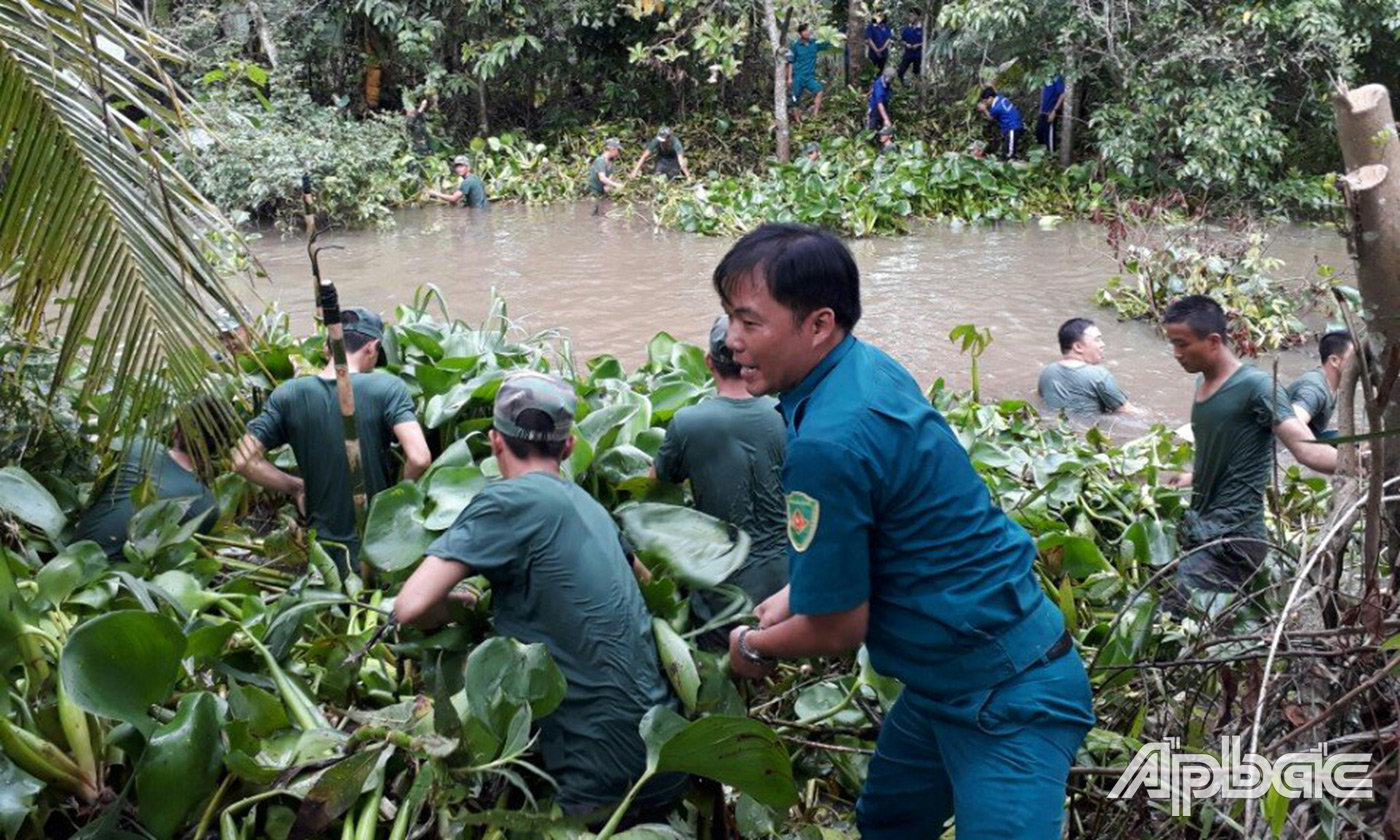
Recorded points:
(1236, 413)
(305, 414)
(559, 577)
(470, 191)
(1079, 383)
(600, 180)
(730, 447)
(1314, 394)
(669, 153)
(175, 472)
(802, 71)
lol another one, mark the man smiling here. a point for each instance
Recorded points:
(894, 542)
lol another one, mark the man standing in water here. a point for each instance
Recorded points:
(1236, 413)
(730, 447)
(600, 180)
(802, 70)
(1314, 394)
(305, 413)
(470, 191)
(670, 156)
(1079, 383)
(894, 542)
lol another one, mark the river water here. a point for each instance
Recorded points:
(613, 281)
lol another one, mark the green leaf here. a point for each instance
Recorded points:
(18, 790)
(160, 525)
(120, 664)
(503, 674)
(74, 567)
(1276, 809)
(181, 765)
(700, 550)
(735, 751)
(596, 426)
(677, 662)
(395, 532)
(27, 500)
(451, 489)
(1151, 546)
(334, 793)
(1079, 556)
(659, 351)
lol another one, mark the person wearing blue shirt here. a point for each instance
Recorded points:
(877, 42)
(877, 111)
(802, 70)
(912, 36)
(894, 542)
(1052, 100)
(1007, 116)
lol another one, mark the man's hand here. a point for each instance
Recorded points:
(774, 609)
(1177, 479)
(742, 667)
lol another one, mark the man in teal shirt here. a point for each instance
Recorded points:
(558, 577)
(1314, 394)
(1079, 383)
(730, 448)
(894, 542)
(802, 70)
(600, 180)
(305, 413)
(175, 472)
(1236, 413)
(470, 192)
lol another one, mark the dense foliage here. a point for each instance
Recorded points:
(237, 680)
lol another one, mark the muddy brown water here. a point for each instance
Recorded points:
(613, 281)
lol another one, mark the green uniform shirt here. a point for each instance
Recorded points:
(1080, 389)
(306, 414)
(473, 191)
(559, 577)
(803, 57)
(601, 166)
(105, 520)
(732, 452)
(1234, 431)
(1311, 392)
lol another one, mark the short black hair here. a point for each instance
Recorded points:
(725, 366)
(534, 420)
(1334, 343)
(356, 340)
(804, 268)
(1071, 331)
(1201, 313)
(986, 92)
(803, 28)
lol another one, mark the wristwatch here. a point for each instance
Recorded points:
(750, 655)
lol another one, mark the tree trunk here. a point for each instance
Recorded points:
(1371, 154)
(481, 107)
(780, 89)
(855, 43)
(269, 46)
(1067, 124)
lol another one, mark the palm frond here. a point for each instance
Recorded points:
(107, 246)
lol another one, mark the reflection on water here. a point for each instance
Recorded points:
(613, 281)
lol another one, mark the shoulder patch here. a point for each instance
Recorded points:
(803, 512)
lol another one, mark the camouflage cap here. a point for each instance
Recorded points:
(612, 143)
(664, 133)
(811, 147)
(461, 160)
(541, 392)
(719, 347)
(357, 319)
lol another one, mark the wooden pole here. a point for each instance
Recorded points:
(780, 90)
(308, 213)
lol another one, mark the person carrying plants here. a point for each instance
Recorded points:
(1314, 394)
(894, 542)
(1052, 100)
(1235, 416)
(877, 42)
(470, 191)
(730, 448)
(305, 414)
(912, 37)
(180, 471)
(802, 71)
(1078, 382)
(1007, 116)
(669, 154)
(600, 180)
(877, 109)
(559, 577)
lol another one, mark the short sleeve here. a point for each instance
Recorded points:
(398, 403)
(1271, 405)
(670, 458)
(830, 514)
(680, 150)
(481, 538)
(269, 427)
(1311, 398)
(653, 147)
(1111, 397)
(792, 56)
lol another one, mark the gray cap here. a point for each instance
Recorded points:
(664, 133)
(719, 347)
(612, 143)
(813, 146)
(461, 160)
(362, 321)
(539, 391)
